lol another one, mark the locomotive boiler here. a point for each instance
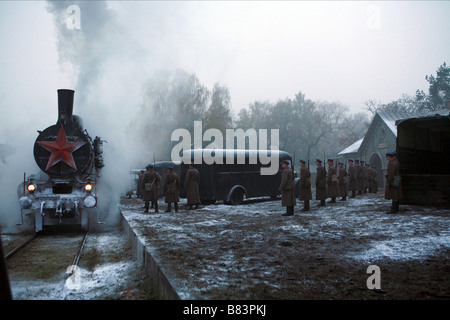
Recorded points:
(70, 161)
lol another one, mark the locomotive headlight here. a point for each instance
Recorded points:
(31, 187)
(88, 187)
(90, 202)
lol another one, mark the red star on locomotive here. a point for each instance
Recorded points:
(61, 150)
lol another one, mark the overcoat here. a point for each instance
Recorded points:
(390, 192)
(370, 175)
(321, 186)
(342, 182)
(366, 176)
(171, 178)
(375, 181)
(191, 182)
(287, 188)
(333, 188)
(305, 184)
(139, 185)
(360, 178)
(150, 176)
(352, 179)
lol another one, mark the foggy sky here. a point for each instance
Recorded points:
(335, 51)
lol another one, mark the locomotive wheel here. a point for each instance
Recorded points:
(237, 197)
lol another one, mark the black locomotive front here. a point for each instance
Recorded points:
(70, 163)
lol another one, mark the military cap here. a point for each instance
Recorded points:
(356, 160)
(169, 167)
(150, 165)
(319, 160)
(285, 161)
(330, 159)
(303, 160)
(373, 166)
(391, 153)
(350, 160)
(340, 163)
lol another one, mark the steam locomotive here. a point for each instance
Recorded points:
(70, 162)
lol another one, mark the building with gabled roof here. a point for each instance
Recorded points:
(381, 137)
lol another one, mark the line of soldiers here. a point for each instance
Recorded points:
(360, 178)
(149, 185)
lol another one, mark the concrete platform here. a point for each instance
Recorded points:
(250, 251)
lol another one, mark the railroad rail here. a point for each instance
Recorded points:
(22, 245)
(78, 255)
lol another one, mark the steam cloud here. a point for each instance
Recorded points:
(83, 57)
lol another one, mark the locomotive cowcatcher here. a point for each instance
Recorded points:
(65, 191)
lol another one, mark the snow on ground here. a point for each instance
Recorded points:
(106, 270)
(251, 251)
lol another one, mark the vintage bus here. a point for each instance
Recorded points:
(232, 181)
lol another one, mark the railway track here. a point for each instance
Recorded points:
(22, 245)
(36, 252)
(73, 266)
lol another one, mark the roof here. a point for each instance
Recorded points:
(443, 113)
(353, 148)
(389, 119)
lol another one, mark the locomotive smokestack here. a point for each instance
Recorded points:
(65, 105)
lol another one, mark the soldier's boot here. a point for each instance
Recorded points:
(353, 194)
(344, 198)
(196, 206)
(190, 207)
(156, 207)
(333, 200)
(322, 203)
(176, 206)
(396, 206)
(306, 205)
(392, 208)
(146, 206)
(289, 211)
(169, 207)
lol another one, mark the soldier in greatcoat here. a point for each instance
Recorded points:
(359, 177)
(370, 177)
(365, 182)
(392, 191)
(332, 182)
(305, 193)
(150, 187)
(171, 189)
(139, 185)
(352, 178)
(343, 181)
(287, 189)
(321, 185)
(375, 179)
(191, 183)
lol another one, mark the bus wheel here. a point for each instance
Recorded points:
(237, 197)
